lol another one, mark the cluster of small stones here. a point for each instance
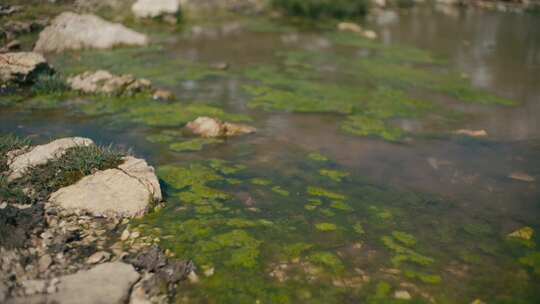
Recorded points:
(66, 242)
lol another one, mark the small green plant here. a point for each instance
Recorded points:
(73, 165)
(10, 142)
(49, 84)
(315, 9)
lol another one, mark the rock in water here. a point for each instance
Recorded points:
(155, 8)
(126, 191)
(525, 233)
(70, 31)
(106, 283)
(106, 83)
(350, 27)
(41, 154)
(211, 127)
(22, 67)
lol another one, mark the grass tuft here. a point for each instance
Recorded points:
(71, 167)
(10, 142)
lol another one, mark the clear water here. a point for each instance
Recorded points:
(428, 213)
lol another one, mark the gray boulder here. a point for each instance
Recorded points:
(70, 31)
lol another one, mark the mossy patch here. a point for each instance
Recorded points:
(196, 144)
(334, 175)
(261, 181)
(280, 191)
(328, 260)
(325, 227)
(317, 157)
(321, 192)
(532, 261)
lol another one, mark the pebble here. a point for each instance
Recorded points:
(193, 277)
(98, 257)
(523, 177)
(125, 235)
(44, 263)
(402, 295)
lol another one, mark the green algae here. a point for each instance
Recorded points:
(328, 260)
(334, 175)
(317, 157)
(404, 254)
(159, 138)
(321, 192)
(194, 144)
(280, 191)
(292, 251)
(325, 227)
(532, 261)
(423, 277)
(359, 229)
(339, 205)
(225, 167)
(361, 125)
(181, 177)
(406, 239)
(261, 181)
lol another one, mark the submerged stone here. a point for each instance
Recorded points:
(525, 233)
(211, 127)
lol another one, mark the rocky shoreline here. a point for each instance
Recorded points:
(54, 252)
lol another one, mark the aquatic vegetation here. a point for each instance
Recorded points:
(339, 205)
(423, 277)
(325, 227)
(364, 126)
(321, 192)
(280, 191)
(181, 177)
(406, 239)
(292, 251)
(358, 228)
(477, 228)
(159, 138)
(328, 260)
(224, 167)
(261, 181)
(405, 254)
(532, 260)
(196, 144)
(317, 157)
(176, 114)
(334, 175)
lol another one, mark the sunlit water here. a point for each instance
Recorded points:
(450, 195)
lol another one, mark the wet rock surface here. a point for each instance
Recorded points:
(212, 127)
(70, 31)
